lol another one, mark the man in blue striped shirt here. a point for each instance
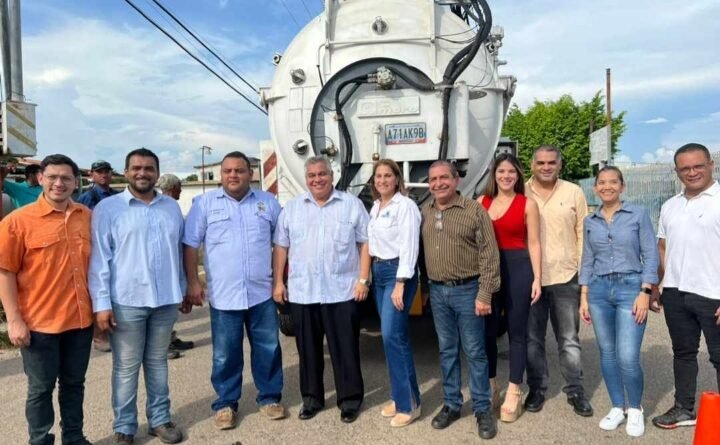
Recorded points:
(137, 282)
(235, 223)
(322, 232)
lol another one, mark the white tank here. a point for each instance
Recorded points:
(404, 46)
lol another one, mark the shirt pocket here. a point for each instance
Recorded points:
(217, 228)
(45, 246)
(343, 233)
(262, 226)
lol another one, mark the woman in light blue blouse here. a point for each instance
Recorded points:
(618, 269)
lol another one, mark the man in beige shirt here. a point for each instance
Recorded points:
(562, 210)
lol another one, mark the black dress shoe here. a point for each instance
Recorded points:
(486, 423)
(445, 417)
(307, 413)
(534, 401)
(349, 415)
(580, 404)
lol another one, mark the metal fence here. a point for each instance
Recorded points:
(648, 185)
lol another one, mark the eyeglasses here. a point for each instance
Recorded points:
(687, 170)
(438, 220)
(64, 179)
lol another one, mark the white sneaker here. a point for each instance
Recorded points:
(614, 419)
(635, 422)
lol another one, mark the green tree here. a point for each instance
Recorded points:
(191, 178)
(565, 124)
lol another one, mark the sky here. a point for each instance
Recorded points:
(107, 82)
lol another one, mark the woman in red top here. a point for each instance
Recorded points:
(516, 221)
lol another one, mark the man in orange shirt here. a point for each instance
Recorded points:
(43, 288)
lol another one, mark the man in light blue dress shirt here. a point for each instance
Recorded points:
(322, 233)
(235, 223)
(136, 282)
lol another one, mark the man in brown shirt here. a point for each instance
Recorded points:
(43, 287)
(463, 267)
(562, 211)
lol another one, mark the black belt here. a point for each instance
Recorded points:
(456, 283)
(381, 260)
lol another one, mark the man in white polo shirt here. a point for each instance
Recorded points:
(689, 242)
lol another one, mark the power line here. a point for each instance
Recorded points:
(179, 32)
(306, 9)
(172, 16)
(290, 13)
(161, 29)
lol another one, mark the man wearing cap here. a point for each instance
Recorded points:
(102, 176)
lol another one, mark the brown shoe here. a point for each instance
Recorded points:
(388, 410)
(404, 419)
(167, 433)
(273, 411)
(225, 419)
(122, 439)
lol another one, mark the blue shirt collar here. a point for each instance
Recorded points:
(128, 197)
(220, 193)
(624, 207)
(336, 194)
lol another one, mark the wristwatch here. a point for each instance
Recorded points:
(646, 290)
(364, 282)
(400, 280)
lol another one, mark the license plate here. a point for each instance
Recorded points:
(396, 134)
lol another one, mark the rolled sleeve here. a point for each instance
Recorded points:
(281, 237)
(582, 212)
(195, 224)
(99, 272)
(489, 258)
(648, 250)
(588, 258)
(361, 225)
(409, 223)
(13, 247)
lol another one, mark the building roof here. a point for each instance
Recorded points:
(253, 161)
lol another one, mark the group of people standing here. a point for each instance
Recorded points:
(522, 254)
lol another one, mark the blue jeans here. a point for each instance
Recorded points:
(50, 360)
(394, 326)
(456, 324)
(559, 304)
(228, 328)
(618, 335)
(141, 337)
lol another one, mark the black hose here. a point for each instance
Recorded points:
(457, 65)
(344, 131)
(413, 83)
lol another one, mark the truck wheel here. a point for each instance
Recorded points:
(287, 327)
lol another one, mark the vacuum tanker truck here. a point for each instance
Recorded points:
(410, 80)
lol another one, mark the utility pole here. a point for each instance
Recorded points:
(608, 102)
(202, 165)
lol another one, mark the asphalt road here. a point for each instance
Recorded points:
(191, 395)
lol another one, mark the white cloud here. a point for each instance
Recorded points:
(50, 77)
(660, 156)
(622, 159)
(566, 48)
(655, 121)
(131, 87)
(702, 129)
